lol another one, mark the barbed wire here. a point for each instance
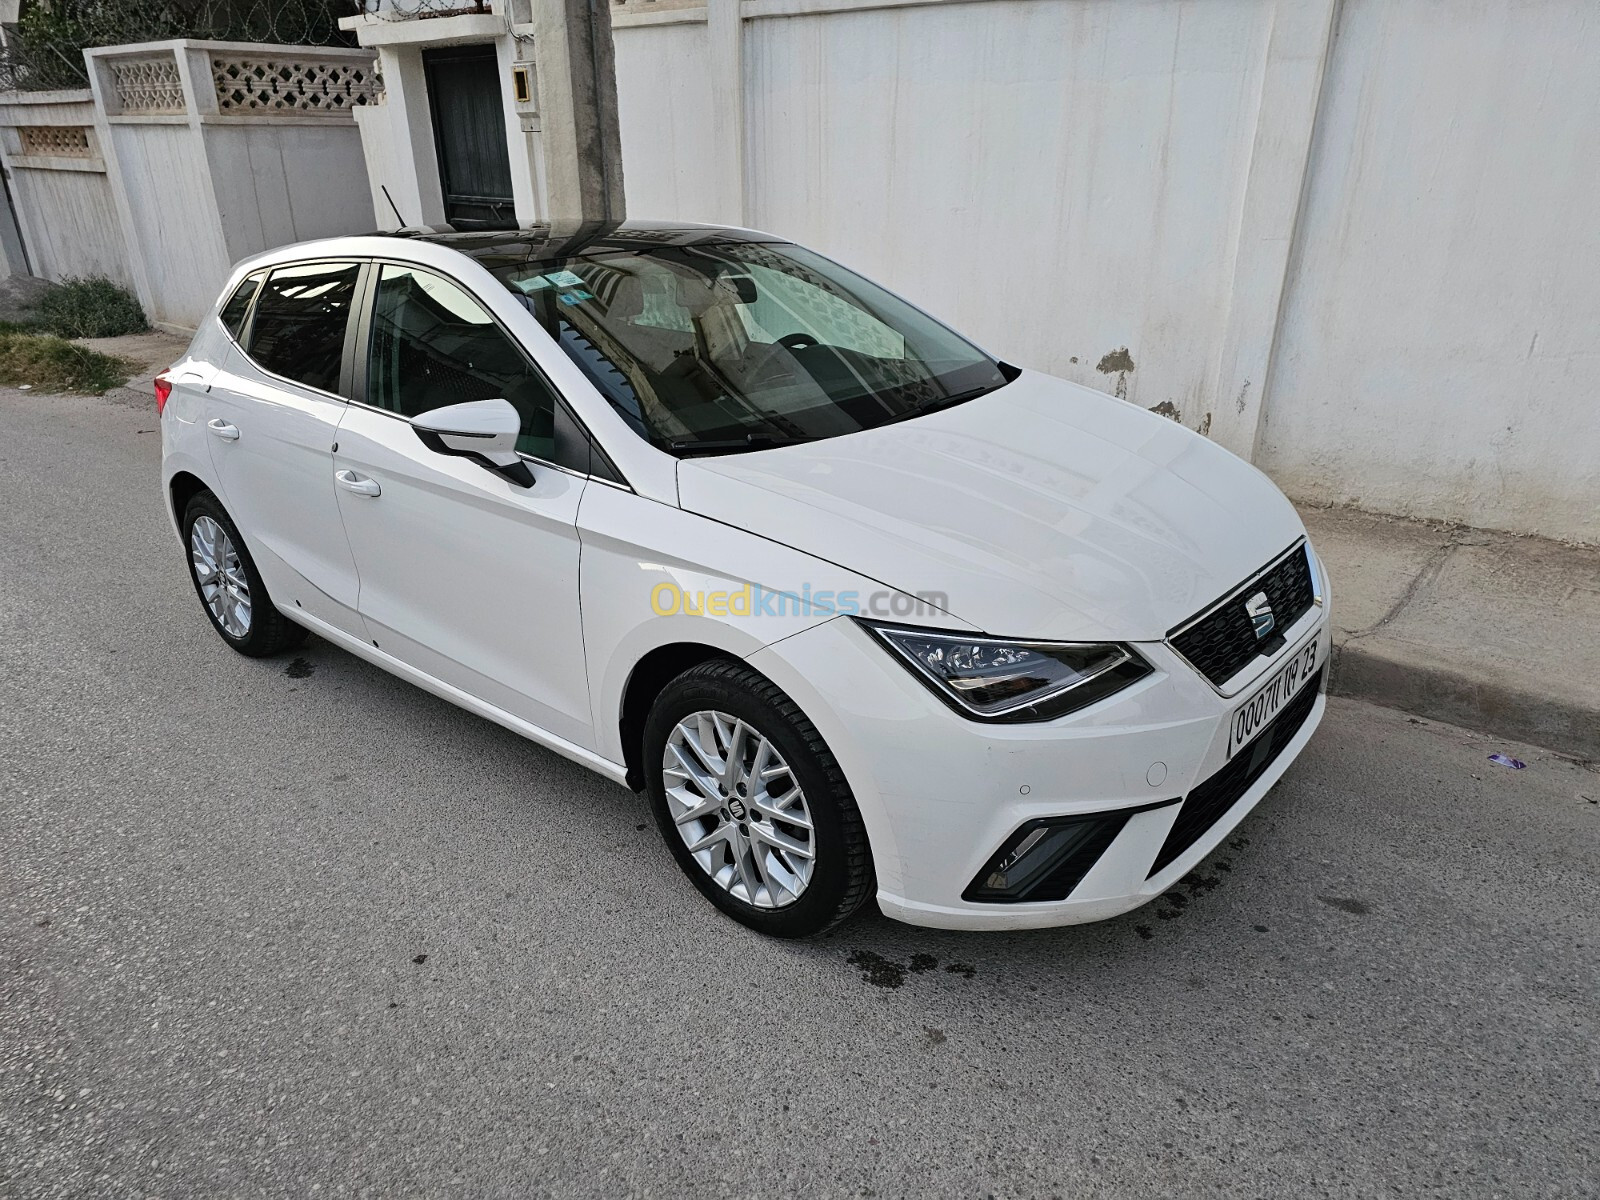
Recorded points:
(411, 10)
(43, 51)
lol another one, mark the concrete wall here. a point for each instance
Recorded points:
(65, 211)
(1440, 348)
(666, 98)
(1062, 184)
(1354, 240)
(206, 167)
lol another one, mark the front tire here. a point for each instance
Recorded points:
(753, 804)
(230, 588)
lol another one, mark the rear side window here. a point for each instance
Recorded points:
(299, 324)
(238, 306)
(433, 344)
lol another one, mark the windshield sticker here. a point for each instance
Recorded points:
(531, 285)
(576, 297)
(566, 279)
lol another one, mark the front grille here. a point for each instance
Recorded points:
(1210, 801)
(1221, 643)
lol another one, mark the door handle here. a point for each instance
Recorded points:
(222, 429)
(359, 484)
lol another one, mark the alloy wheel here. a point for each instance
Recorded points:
(739, 809)
(221, 576)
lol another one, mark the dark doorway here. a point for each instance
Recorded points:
(469, 131)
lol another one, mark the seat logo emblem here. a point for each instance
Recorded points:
(1259, 609)
(736, 807)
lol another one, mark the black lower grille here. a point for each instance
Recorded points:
(1210, 801)
(1222, 642)
(1044, 859)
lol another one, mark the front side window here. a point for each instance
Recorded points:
(434, 345)
(299, 325)
(717, 348)
(237, 308)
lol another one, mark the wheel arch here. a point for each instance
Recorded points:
(183, 487)
(649, 675)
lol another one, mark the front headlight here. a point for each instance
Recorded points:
(996, 679)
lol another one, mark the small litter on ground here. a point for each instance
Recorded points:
(1505, 760)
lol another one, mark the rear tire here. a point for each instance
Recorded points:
(231, 591)
(734, 767)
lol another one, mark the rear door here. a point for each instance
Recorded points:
(465, 575)
(272, 416)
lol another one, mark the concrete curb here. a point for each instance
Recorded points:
(1491, 631)
(1478, 703)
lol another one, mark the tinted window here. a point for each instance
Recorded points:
(298, 330)
(238, 305)
(434, 345)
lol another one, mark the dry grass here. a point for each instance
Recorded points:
(51, 364)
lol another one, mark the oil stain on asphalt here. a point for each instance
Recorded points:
(300, 668)
(886, 973)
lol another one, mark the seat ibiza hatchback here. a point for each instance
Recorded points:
(863, 610)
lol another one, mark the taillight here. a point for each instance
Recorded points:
(163, 390)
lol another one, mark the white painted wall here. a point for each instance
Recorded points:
(202, 184)
(171, 216)
(666, 96)
(65, 211)
(1411, 190)
(1057, 179)
(278, 182)
(1440, 348)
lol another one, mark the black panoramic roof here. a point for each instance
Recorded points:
(543, 242)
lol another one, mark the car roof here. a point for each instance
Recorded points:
(547, 241)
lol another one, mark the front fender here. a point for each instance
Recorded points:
(639, 554)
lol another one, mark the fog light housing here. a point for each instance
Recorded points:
(1045, 859)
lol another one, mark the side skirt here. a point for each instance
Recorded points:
(587, 758)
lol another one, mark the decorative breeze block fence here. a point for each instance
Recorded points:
(147, 86)
(244, 83)
(55, 141)
(292, 85)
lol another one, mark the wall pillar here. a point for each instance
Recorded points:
(412, 174)
(725, 36)
(577, 82)
(1291, 89)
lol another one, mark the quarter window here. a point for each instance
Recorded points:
(299, 326)
(433, 345)
(238, 306)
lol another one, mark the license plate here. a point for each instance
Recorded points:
(1251, 717)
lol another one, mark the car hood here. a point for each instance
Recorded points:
(1043, 509)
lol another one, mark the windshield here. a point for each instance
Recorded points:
(710, 349)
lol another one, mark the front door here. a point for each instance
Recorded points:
(469, 133)
(464, 575)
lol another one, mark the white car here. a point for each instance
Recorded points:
(863, 610)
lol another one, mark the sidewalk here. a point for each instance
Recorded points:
(150, 352)
(1494, 632)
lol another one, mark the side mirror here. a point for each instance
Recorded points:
(483, 430)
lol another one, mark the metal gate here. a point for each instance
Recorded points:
(469, 132)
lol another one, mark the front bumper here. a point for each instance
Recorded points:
(939, 794)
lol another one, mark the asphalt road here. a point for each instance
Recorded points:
(291, 926)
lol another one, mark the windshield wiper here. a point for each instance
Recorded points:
(750, 441)
(943, 402)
